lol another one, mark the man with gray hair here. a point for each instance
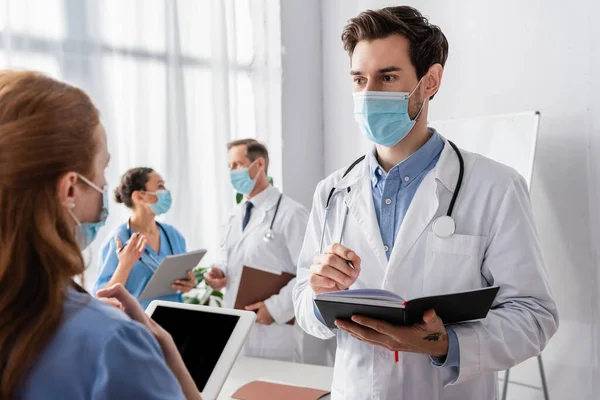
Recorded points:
(263, 208)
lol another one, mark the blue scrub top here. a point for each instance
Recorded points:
(140, 273)
(98, 352)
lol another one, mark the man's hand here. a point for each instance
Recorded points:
(263, 316)
(428, 337)
(186, 285)
(215, 278)
(330, 271)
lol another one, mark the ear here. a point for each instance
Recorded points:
(261, 163)
(65, 189)
(256, 167)
(263, 166)
(432, 80)
(137, 197)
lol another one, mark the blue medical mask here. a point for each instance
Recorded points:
(241, 181)
(383, 116)
(164, 202)
(88, 231)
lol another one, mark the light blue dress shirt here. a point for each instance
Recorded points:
(394, 191)
(143, 270)
(392, 195)
(99, 353)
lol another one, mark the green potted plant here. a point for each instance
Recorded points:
(203, 294)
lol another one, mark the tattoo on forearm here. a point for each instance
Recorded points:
(434, 337)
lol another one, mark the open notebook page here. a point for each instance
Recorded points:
(364, 296)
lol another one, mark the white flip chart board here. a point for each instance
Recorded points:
(509, 139)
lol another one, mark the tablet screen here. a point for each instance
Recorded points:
(200, 337)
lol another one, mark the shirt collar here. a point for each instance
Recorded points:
(411, 167)
(263, 197)
(376, 172)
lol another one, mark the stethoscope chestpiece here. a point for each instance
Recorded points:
(269, 236)
(444, 227)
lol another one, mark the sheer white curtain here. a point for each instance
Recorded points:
(174, 81)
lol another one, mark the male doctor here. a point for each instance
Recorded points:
(393, 198)
(244, 244)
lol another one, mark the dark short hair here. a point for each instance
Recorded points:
(133, 180)
(254, 150)
(428, 45)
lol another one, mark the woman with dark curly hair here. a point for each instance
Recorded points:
(133, 253)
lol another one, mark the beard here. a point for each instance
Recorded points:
(416, 105)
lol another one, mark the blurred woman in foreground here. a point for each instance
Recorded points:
(57, 341)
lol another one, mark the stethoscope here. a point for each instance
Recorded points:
(443, 226)
(269, 235)
(146, 250)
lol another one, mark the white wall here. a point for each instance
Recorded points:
(513, 56)
(303, 164)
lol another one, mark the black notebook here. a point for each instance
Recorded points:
(389, 307)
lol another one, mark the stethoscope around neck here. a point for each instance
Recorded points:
(443, 227)
(269, 234)
(146, 250)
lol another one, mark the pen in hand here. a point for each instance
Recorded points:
(340, 241)
(123, 247)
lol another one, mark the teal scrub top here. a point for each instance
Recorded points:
(171, 242)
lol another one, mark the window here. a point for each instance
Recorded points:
(174, 81)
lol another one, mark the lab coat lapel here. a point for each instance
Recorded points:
(421, 211)
(258, 216)
(234, 228)
(424, 205)
(255, 220)
(361, 208)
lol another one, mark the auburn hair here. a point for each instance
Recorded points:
(46, 130)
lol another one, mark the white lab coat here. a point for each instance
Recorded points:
(279, 340)
(495, 244)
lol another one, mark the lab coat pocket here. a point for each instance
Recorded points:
(452, 264)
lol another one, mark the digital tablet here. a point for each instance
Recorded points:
(170, 269)
(208, 338)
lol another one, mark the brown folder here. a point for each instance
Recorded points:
(257, 285)
(259, 390)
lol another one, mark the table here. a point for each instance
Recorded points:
(248, 369)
